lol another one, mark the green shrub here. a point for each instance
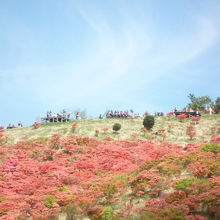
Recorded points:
(212, 147)
(109, 189)
(184, 183)
(64, 188)
(107, 213)
(116, 127)
(2, 199)
(50, 200)
(148, 122)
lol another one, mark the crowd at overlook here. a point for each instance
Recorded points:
(64, 115)
(121, 114)
(10, 126)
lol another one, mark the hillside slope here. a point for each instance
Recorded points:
(53, 172)
(131, 129)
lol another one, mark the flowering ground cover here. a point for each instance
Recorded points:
(146, 176)
(107, 179)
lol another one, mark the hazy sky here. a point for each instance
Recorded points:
(106, 54)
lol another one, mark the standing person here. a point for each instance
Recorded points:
(210, 110)
(77, 115)
(20, 124)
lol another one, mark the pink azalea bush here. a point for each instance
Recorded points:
(36, 125)
(73, 127)
(190, 131)
(2, 129)
(181, 117)
(105, 129)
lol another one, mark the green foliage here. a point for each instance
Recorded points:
(199, 102)
(2, 198)
(169, 168)
(116, 127)
(183, 184)
(70, 210)
(40, 139)
(101, 173)
(123, 178)
(109, 189)
(171, 213)
(217, 105)
(176, 196)
(148, 122)
(107, 213)
(50, 200)
(64, 188)
(149, 164)
(211, 147)
(21, 217)
(3, 212)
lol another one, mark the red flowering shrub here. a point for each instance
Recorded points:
(140, 193)
(107, 138)
(55, 141)
(36, 125)
(73, 127)
(82, 176)
(169, 128)
(155, 203)
(161, 130)
(163, 135)
(191, 134)
(70, 180)
(96, 132)
(144, 130)
(215, 139)
(190, 131)
(195, 119)
(181, 117)
(169, 114)
(2, 129)
(134, 135)
(3, 138)
(213, 129)
(105, 129)
(176, 196)
(95, 212)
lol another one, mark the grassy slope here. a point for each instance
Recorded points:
(87, 128)
(177, 134)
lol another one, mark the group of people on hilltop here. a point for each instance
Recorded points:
(158, 114)
(120, 114)
(63, 113)
(10, 126)
(128, 114)
(188, 111)
(207, 110)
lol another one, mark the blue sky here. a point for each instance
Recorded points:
(106, 54)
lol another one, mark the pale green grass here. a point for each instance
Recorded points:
(177, 134)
